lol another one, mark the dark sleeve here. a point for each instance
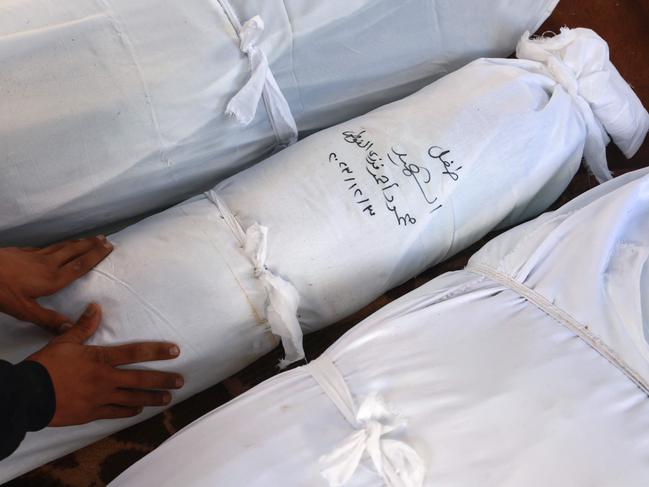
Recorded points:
(27, 402)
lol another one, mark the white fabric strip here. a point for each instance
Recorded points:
(396, 462)
(283, 298)
(562, 317)
(578, 59)
(262, 83)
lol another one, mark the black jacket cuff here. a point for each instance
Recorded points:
(27, 402)
(35, 395)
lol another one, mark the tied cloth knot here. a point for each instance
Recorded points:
(283, 299)
(578, 60)
(243, 106)
(397, 463)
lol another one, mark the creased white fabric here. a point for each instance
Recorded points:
(243, 105)
(396, 462)
(594, 246)
(499, 387)
(138, 122)
(283, 298)
(578, 59)
(351, 212)
(579, 329)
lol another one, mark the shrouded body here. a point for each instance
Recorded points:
(523, 369)
(338, 219)
(115, 108)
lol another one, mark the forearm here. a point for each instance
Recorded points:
(27, 402)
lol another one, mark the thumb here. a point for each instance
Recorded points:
(85, 327)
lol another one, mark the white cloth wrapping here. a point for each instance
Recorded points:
(578, 60)
(114, 108)
(349, 213)
(396, 463)
(283, 298)
(243, 105)
(497, 387)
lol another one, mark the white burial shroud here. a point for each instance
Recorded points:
(113, 108)
(529, 368)
(322, 228)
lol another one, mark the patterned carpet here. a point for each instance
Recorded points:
(625, 24)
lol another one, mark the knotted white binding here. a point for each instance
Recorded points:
(396, 462)
(262, 83)
(578, 59)
(283, 298)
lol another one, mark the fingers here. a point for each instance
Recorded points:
(29, 310)
(66, 251)
(113, 412)
(28, 249)
(146, 379)
(138, 399)
(85, 327)
(50, 249)
(140, 352)
(78, 258)
(63, 252)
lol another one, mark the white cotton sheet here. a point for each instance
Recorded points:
(492, 389)
(114, 108)
(326, 226)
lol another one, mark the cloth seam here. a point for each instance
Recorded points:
(123, 35)
(293, 74)
(562, 317)
(258, 317)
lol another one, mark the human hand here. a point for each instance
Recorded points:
(89, 386)
(30, 273)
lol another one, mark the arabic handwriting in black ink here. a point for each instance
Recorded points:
(374, 160)
(357, 191)
(374, 166)
(378, 179)
(393, 185)
(440, 153)
(358, 139)
(412, 170)
(401, 219)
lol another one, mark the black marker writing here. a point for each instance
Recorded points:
(401, 219)
(439, 153)
(412, 170)
(353, 184)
